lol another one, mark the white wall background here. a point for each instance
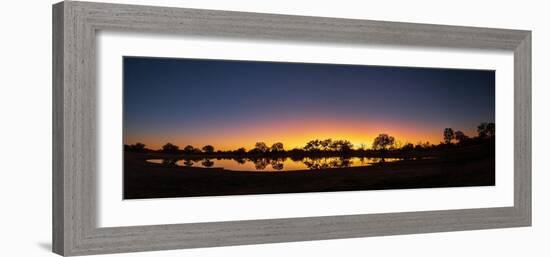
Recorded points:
(25, 113)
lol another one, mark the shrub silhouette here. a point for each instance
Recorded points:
(208, 149)
(189, 149)
(408, 147)
(170, 148)
(137, 147)
(241, 151)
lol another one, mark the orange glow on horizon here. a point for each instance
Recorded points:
(295, 134)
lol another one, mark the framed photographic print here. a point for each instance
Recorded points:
(182, 128)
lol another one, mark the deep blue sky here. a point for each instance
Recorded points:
(193, 101)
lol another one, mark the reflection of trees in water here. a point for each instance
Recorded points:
(277, 164)
(377, 160)
(364, 161)
(240, 160)
(188, 163)
(207, 163)
(260, 163)
(169, 162)
(296, 158)
(327, 162)
(345, 162)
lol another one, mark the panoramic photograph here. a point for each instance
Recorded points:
(205, 127)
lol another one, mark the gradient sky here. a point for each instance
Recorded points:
(232, 104)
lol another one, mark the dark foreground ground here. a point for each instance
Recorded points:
(149, 180)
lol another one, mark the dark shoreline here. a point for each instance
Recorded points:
(144, 180)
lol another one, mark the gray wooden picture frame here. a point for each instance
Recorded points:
(75, 25)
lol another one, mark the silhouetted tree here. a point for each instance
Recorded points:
(491, 129)
(313, 145)
(448, 135)
(189, 149)
(382, 142)
(408, 147)
(485, 130)
(341, 145)
(241, 151)
(137, 147)
(170, 148)
(277, 147)
(208, 149)
(325, 144)
(460, 137)
(261, 147)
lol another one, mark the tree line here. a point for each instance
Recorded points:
(383, 142)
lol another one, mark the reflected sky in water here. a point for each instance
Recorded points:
(276, 164)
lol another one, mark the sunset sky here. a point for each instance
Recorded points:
(232, 104)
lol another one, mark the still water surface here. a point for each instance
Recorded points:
(277, 164)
